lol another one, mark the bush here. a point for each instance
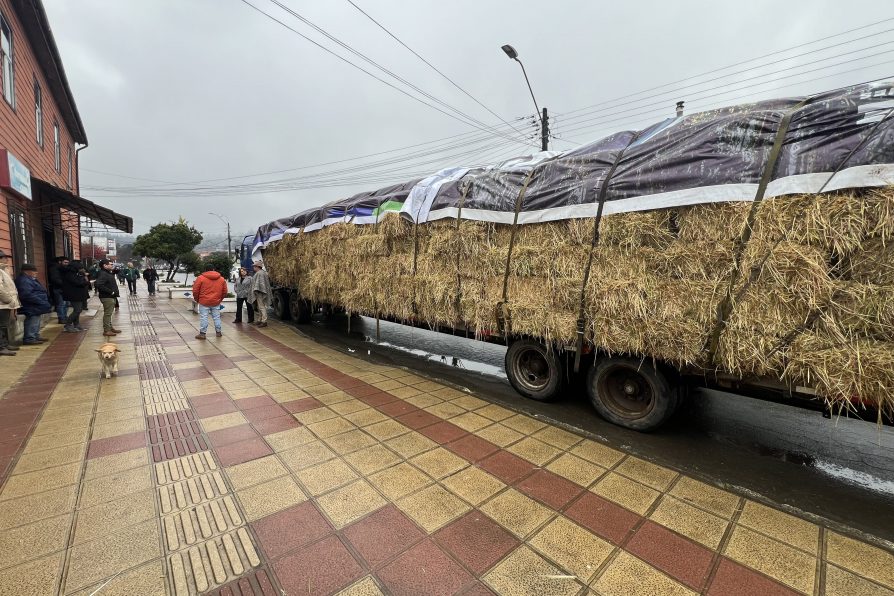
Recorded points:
(221, 261)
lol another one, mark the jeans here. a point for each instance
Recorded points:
(32, 328)
(61, 305)
(151, 287)
(132, 286)
(203, 317)
(75, 317)
(108, 308)
(261, 308)
(6, 333)
(251, 310)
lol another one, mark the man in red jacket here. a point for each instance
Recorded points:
(209, 290)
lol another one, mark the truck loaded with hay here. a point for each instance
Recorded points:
(746, 248)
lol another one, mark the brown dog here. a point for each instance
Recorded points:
(108, 356)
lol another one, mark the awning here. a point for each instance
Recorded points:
(51, 198)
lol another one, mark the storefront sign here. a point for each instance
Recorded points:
(14, 175)
(112, 248)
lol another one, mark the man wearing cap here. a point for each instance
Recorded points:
(9, 302)
(260, 288)
(35, 302)
(107, 288)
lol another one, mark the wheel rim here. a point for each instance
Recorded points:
(626, 392)
(294, 307)
(531, 369)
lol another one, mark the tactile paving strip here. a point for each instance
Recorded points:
(161, 396)
(175, 434)
(213, 562)
(255, 584)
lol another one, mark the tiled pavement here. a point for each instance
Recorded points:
(263, 461)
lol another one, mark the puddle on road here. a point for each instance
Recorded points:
(867, 481)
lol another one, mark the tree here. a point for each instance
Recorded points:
(92, 252)
(190, 262)
(125, 252)
(168, 242)
(221, 261)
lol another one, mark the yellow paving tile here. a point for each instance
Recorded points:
(31, 508)
(64, 425)
(466, 401)
(597, 453)
(577, 550)
(350, 503)
(372, 459)
(526, 572)
(445, 410)
(306, 455)
(288, 438)
(348, 406)
(99, 559)
(536, 452)
(118, 427)
(861, 558)
(692, 522)
(366, 417)
(334, 398)
(575, 469)
(365, 587)
(326, 476)
(97, 521)
(33, 540)
(116, 415)
(523, 424)
(35, 577)
(707, 497)
(516, 512)
(771, 557)
(56, 440)
(321, 389)
(114, 486)
(424, 400)
(145, 580)
(646, 473)
(386, 430)
(557, 437)
(405, 392)
(781, 526)
(350, 441)
(433, 507)
(399, 480)
(844, 583)
(439, 463)
(625, 492)
(409, 444)
(628, 575)
(316, 415)
(328, 428)
(500, 435)
(269, 497)
(49, 458)
(223, 421)
(255, 471)
(495, 412)
(473, 484)
(471, 421)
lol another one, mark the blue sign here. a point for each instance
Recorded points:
(19, 176)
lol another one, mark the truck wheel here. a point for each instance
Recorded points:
(534, 370)
(299, 308)
(279, 304)
(631, 393)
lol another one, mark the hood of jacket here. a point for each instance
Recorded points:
(212, 275)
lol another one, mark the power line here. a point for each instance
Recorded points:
(429, 64)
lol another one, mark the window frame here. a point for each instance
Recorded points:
(70, 167)
(57, 146)
(38, 112)
(10, 60)
(22, 243)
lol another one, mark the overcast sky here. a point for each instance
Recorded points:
(183, 91)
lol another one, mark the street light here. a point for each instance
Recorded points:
(544, 119)
(229, 241)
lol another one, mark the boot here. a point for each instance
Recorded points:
(218, 334)
(262, 324)
(115, 330)
(200, 336)
(109, 333)
(6, 352)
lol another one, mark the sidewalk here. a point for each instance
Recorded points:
(262, 461)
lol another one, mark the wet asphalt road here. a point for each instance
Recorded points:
(841, 470)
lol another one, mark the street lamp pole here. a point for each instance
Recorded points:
(544, 117)
(229, 239)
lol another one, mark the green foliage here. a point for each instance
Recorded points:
(221, 261)
(190, 262)
(168, 242)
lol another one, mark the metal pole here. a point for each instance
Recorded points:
(544, 132)
(229, 242)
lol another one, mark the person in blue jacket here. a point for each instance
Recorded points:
(35, 302)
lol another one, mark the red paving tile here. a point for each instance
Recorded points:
(234, 434)
(210, 399)
(263, 413)
(549, 488)
(348, 382)
(424, 570)
(397, 408)
(214, 409)
(472, 448)
(383, 535)
(290, 529)
(257, 583)
(254, 402)
(478, 589)
(418, 419)
(192, 374)
(376, 399)
(477, 541)
(179, 358)
(602, 517)
(302, 405)
(117, 444)
(275, 425)
(732, 579)
(9, 448)
(443, 432)
(365, 391)
(242, 358)
(243, 451)
(507, 467)
(682, 559)
(324, 567)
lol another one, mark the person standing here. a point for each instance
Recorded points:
(107, 288)
(131, 274)
(260, 288)
(119, 273)
(35, 302)
(76, 290)
(54, 277)
(209, 290)
(9, 302)
(244, 295)
(151, 276)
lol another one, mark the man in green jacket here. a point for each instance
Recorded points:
(131, 274)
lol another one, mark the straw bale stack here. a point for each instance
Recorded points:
(811, 301)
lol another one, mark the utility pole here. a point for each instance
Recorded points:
(544, 118)
(229, 242)
(544, 132)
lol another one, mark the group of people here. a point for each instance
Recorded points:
(130, 275)
(253, 291)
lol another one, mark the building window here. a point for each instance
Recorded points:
(21, 239)
(67, 246)
(57, 147)
(70, 166)
(7, 78)
(38, 112)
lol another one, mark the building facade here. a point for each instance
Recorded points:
(41, 133)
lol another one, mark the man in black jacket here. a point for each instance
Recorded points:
(54, 276)
(76, 290)
(107, 287)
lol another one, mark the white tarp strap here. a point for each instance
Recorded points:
(421, 197)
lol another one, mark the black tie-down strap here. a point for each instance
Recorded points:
(504, 316)
(466, 189)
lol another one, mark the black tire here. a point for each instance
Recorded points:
(631, 393)
(534, 370)
(280, 305)
(299, 309)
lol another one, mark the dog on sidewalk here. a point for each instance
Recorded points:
(108, 356)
